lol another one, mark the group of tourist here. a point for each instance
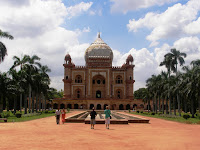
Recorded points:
(93, 115)
(58, 116)
(107, 113)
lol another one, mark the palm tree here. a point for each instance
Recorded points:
(153, 84)
(4, 80)
(196, 66)
(176, 56)
(164, 88)
(44, 85)
(167, 62)
(20, 62)
(16, 83)
(32, 65)
(3, 49)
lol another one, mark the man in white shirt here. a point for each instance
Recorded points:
(58, 116)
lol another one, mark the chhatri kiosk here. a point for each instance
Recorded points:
(98, 83)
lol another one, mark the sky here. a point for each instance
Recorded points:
(146, 29)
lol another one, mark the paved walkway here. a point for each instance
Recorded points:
(45, 134)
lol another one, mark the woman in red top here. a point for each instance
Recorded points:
(63, 116)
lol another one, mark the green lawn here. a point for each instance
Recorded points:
(28, 117)
(171, 118)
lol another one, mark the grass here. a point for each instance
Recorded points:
(171, 118)
(28, 117)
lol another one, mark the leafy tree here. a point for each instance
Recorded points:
(176, 56)
(3, 49)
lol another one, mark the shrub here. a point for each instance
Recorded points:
(46, 111)
(5, 114)
(18, 114)
(153, 113)
(188, 122)
(39, 112)
(159, 113)
(198, 115)
(186, 116)
(129, 110)
(68, 109)
(146, 113)
(141, 112)
(53, 111)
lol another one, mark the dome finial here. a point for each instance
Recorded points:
(99, 35)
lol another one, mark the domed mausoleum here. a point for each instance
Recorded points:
(98, 83)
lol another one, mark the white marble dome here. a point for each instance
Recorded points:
(98, 49)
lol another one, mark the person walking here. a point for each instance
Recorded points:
(57, 116)
(107, 117)
(63, 115)
(93, 114)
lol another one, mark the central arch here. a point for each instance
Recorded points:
(91, 106)
(121, 107)
(98, 86)
(98, 106)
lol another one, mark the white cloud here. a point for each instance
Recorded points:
(32, 20)
(169, 24)
(36, 28)
(78, 9)
(145, 64)
(159, 54)
(18, 3)
(129, 5)
(193, 28)
(86, 29)
(190, 46)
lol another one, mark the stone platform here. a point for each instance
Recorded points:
(117, 118)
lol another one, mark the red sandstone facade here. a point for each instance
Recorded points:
(98, 83)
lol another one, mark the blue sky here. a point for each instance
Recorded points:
(146, 29)
(113, 25)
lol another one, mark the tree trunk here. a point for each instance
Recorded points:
(162, 105)
(185, 104)
(170, 110)
(174, 105)
(39, 101)
(33, 97)
(36, 107)
(44, 102)
(8, 104)
(199, 103)
(1, 105)
(159, 104)
(166, 107)
(29, 99)
(15, 104)
(4, 102)
(156, 104)
(179, 105)
(148, 104)
(192, 107)
(25, 103)
(20, 102)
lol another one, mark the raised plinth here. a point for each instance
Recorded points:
(117, 118)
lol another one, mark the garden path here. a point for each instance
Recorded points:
(46, 135)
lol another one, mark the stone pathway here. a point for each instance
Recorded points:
(46, 135)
